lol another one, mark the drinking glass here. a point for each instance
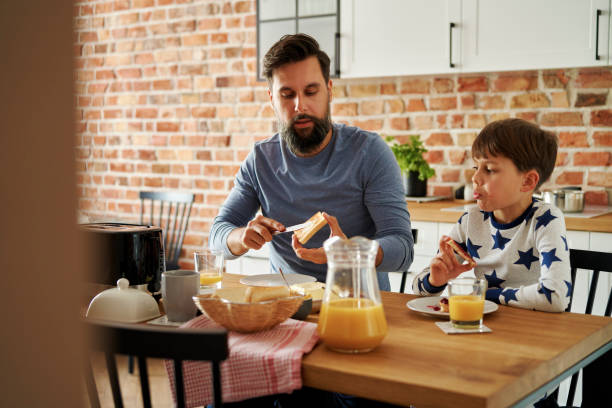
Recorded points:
(209, 264)
(466, 302)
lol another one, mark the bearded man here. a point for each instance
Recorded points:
(312, 165)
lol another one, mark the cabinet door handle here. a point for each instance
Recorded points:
(450, 45)
(597, 14)
(337, 56)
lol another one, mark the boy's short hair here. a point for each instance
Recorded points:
(528, 146)
(294, 48)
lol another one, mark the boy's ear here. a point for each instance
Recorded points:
(530, 180)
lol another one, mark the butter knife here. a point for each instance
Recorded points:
(293, 228)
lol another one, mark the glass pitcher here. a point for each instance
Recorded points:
(351, 319)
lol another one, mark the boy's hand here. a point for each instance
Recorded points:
(317, 255)
(445, 265)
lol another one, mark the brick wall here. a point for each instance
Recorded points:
(166, 99)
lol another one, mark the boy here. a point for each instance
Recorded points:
(518, 243)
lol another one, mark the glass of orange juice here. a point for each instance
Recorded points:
(209, 264)
(352, 319)
(466, 302)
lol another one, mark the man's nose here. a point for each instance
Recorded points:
(299, 104)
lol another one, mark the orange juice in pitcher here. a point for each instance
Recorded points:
(352, 324)
(352, 318)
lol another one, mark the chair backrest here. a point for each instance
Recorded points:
(156, 342)
(169, 211)
(596, 262)
(591, 262)
(415, 234)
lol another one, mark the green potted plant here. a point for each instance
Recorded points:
(410, 158)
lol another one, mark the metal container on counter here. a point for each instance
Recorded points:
(568, 200)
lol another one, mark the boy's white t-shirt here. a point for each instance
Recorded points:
(526, 262)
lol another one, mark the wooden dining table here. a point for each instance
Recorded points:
(417, 364)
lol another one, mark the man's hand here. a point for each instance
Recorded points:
(257, 232)
(317, 255)
(445, 265)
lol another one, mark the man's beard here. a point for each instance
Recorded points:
(305, 140)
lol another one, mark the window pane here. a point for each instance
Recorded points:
(269, 33)
(323, 29)
(269, 9)
(313, 7)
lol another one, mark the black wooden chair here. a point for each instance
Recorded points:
(415, 234)
(595, 382)
(169, 211)
(156, 342)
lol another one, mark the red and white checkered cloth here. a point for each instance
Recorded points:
(261, 363)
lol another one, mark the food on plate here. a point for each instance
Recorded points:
(317, 222)
(262, 293)
(457, 248)
(443, 304)
(312, 289)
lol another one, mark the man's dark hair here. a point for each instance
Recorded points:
(294, 48)
(528, 146)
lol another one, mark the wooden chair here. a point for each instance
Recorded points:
(156, 342)
(171, 212)
(415, 234)
(597, 373)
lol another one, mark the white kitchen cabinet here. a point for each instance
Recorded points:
(396, 37)
(251, 263)
(578, 239)
(499, 35)
(425, 249)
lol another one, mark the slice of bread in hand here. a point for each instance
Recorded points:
(263, 293)
(457, 248)
(316, 223)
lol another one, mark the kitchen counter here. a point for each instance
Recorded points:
(432, 211)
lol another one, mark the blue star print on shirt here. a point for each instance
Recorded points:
(493, 281)
(499, 241)
(461, 218)
(526, 258)
(486, 215)
(569, 288)
(565, 242)
(493, 294)
(472, 249)
(549, 257)
(420, 285)
(547, 292)
(544, 219)
(509, 294)
(530, 214)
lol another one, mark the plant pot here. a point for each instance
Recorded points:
(415, 187)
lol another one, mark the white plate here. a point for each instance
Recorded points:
(274, 279)
(425, 305)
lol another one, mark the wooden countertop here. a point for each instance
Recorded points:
(431, 211)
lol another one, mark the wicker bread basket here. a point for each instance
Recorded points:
(248, 317)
